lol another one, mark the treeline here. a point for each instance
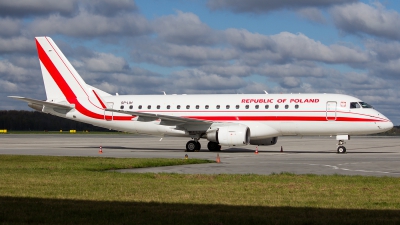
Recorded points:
(37, 121)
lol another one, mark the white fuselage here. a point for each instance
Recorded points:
(286, 114)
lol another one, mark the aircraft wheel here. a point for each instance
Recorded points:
(341, 150)
(198, 147)
(191, 146)
(213, 146)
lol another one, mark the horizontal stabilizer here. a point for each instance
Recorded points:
(44, 103)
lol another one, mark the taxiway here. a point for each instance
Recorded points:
(366, 155)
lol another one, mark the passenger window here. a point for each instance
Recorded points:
(228, 106)
(354, 105)
(266, 106)
(286, 106)
(122, 107)
(276, 106)
(237, 106)
(188, 107)
(178, 106)
(247, 106)
(218, 106)
(149, 107)
(158, 106)
(140, 107)
(131, 107)
(296, 106)
(257, 106)
(197, 106)
(207, 106)
(168, 106)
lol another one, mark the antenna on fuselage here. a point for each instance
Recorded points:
(164, 93)
(265, 91)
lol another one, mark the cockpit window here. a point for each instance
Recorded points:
(366, 105)
(354, 105)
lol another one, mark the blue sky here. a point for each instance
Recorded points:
(213, 46)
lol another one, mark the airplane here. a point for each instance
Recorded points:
(222, 119)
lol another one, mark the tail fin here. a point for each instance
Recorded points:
(62, 82)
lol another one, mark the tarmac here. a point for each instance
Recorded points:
(366, 155)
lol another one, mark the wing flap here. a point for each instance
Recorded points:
(165, 119)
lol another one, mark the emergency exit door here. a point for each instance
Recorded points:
(331, 110)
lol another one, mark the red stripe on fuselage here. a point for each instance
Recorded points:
(281, 118)
(67, 91)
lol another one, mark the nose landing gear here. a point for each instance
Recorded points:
(341, 149)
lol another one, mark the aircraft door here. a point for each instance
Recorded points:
(331, 110)
(109, 115)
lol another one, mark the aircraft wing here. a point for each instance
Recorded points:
(165, 119)
(39, 103)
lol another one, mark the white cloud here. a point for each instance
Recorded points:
(8, 86)
(86, 24)
(17, 45)
(37, 7)
(184, 28)
(361, 18)
(313, 14)
(262, 6)
(105, 62)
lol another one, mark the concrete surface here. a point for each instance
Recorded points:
(367, 155)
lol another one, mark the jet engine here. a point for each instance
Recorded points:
(265, 141)
(233, 135)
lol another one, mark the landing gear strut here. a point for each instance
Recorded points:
(193, 146)
(341, 149)
(213, 146)
(341, 138)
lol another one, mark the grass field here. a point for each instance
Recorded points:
(81, 190)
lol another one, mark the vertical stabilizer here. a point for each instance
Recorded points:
(62, 82)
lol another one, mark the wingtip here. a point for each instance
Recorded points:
(19, 97)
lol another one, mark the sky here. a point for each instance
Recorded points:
(206, 47)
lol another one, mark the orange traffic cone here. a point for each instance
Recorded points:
(256, 152)
(100, 150)
(218, 159)
(281, 149)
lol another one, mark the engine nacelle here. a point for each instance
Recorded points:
(234, 135)
(265, 141)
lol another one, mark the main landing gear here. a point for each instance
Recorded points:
(341, 149)
(213, 146)
(195, 146)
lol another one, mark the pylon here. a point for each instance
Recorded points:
(100, 150)
(218, 159)
(256, 152)
(281, 149)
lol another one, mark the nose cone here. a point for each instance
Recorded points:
(385, 126)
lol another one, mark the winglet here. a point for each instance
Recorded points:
(102, 102)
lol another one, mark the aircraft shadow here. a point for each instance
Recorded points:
(240, 150)
(22, 210)
(131, 148)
